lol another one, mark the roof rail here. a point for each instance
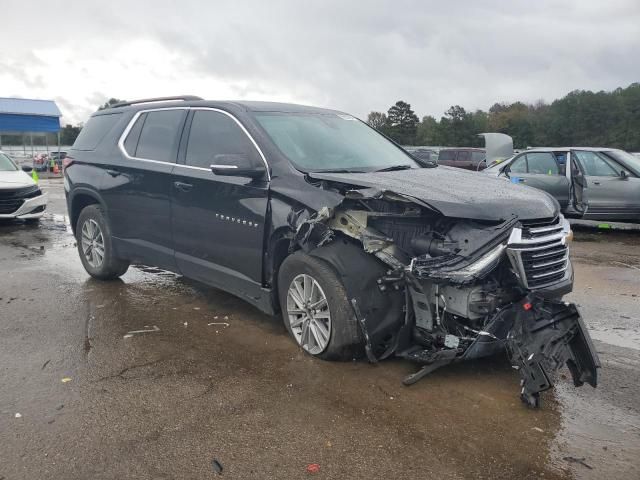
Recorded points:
(185, 98)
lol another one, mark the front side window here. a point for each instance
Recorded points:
(316, 142)
(6, 164)
(159, 135)
(595, 165)
(542, 163)
(215, 138)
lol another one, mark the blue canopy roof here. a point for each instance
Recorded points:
(29, 116)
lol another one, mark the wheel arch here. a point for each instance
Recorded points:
(81, 198)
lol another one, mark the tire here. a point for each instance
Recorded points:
(344, 339)
(109, 267)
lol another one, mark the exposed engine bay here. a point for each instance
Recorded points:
(436, 289)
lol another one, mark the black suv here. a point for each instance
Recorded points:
(312, 213)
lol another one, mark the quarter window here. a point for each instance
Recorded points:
(215, 138)
(95, 130)
(159, 135)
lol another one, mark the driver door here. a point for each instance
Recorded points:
(218, 221)
(606, 192)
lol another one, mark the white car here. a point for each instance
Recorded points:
(20, 196)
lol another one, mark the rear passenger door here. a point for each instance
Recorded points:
(541, 170)
(218, 222)
(137, 187)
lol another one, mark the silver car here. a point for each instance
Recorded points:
(589, 183)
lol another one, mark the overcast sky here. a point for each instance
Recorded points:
(355, 56)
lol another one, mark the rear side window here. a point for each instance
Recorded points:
(478, 157)
(542, 163)
(159, 135)
(95, 130)
(214, 138)
(519, 165)
(447, 155)
(464, 156)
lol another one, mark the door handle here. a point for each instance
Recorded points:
(183, 187)
(596, 183)
(114, 173)
(521, 180)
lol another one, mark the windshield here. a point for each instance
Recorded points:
(6, 164)
(329, 142)
(626, 158)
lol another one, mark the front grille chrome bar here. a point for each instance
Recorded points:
(528, 248)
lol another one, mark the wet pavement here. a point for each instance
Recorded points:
(210, 378)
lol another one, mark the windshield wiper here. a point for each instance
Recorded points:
(394, 168)
(337, 170)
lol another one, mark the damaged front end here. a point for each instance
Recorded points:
(437, 290)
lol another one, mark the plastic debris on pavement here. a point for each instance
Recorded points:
(217, 466)
(18, 415)
(147, 329)
(66, 380)
(313, 468)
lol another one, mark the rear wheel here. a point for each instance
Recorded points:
(95, 247)
(315, 309)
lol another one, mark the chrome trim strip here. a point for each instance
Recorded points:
(140, 112)
(255, 144)
(132, 122)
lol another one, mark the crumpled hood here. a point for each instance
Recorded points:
(458, 193)
(15, 179)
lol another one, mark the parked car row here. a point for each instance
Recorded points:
(43, 161)
(589, 183)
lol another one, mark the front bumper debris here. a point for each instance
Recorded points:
(540, 335)
(545, 335)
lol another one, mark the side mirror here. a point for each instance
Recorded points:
(236, 165)
(624, 175)
(26, 168)
(505, 170)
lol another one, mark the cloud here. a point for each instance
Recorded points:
(355, 56)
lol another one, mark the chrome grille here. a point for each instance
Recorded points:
(539, 253)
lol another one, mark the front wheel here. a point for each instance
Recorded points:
(315, 309)
(95, 247)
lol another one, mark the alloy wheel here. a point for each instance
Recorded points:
(308, 312)
(92, 243)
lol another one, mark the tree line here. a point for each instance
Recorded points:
(581, 118)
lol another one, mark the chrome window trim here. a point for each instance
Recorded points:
(130, 126)
(133, 120)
